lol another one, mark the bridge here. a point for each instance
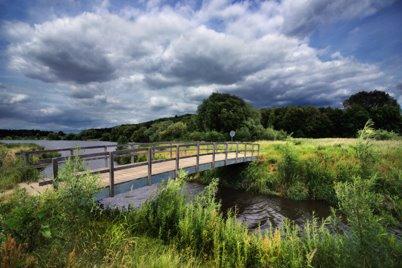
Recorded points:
(145, 164)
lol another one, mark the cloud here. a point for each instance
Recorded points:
(10, 98)
(115, 65)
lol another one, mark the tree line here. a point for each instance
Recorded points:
(220, 113)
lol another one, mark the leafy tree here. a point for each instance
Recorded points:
(140, 135)
(174, 131)
(225, 112)
(383, 109)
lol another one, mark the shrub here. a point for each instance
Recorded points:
(288, 166)
(214, 136)
(257, 178)
(365, 152)
(14, 170)
(379, 134)
(368, 243)
(319, 179)
(272, 134)
(297, 191)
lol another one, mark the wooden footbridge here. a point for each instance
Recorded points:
(142, 165)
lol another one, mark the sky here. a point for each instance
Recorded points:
(71, 65)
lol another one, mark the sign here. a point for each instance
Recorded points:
(232, 133)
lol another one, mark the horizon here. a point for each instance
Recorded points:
(99, 64)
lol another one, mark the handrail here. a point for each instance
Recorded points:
(173, 152)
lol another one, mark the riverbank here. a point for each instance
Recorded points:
(65, 227)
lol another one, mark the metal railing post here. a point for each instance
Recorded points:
(245, 151)
(111, 174)
(105, 150)
(198, 157)
(177, 160)
(171, 150)
(237, 151)
(226, 153)
(213, 154)
(150, 156)
(258, 148)
(252, 149)
(132, 153)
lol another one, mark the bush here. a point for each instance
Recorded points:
(14, 170)
(365, 152)
(35, 219)
(289, 166)
(272, 134)
(214, 136)
(297, 191)
(369, 243)
(380, 134)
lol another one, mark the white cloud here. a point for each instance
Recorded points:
(166, 59)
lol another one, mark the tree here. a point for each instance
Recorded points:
(383, 109)
(225, 112)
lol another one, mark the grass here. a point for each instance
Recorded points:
(67, 228)
(13, 169)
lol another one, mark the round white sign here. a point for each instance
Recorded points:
(232, 133)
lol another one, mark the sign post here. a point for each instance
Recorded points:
(232, 133)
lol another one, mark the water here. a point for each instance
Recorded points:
(269, 212)
(59, 144)
(253, 210)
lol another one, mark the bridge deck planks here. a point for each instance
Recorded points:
(162, 167)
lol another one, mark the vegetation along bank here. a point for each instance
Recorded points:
(360, 178)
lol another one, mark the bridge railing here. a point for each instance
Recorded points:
(141, 156)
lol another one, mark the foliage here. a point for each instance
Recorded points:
(365, 152)
(66, 228)
(225, 112)
(122, 144)
(380, 134)
(221, 113)
(367, 239)
(13, 169)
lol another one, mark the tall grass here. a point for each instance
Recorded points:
(13, 169)
(67, 228)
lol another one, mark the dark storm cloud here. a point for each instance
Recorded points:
(80, 64)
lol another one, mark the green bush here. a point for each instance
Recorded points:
(14, 170)
(289, 166)
(368, 244)
(272, 134)
(379, 134)
(319, 179)
(297, 191)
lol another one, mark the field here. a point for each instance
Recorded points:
(360, 178)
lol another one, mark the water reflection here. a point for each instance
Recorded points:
(269, 211)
